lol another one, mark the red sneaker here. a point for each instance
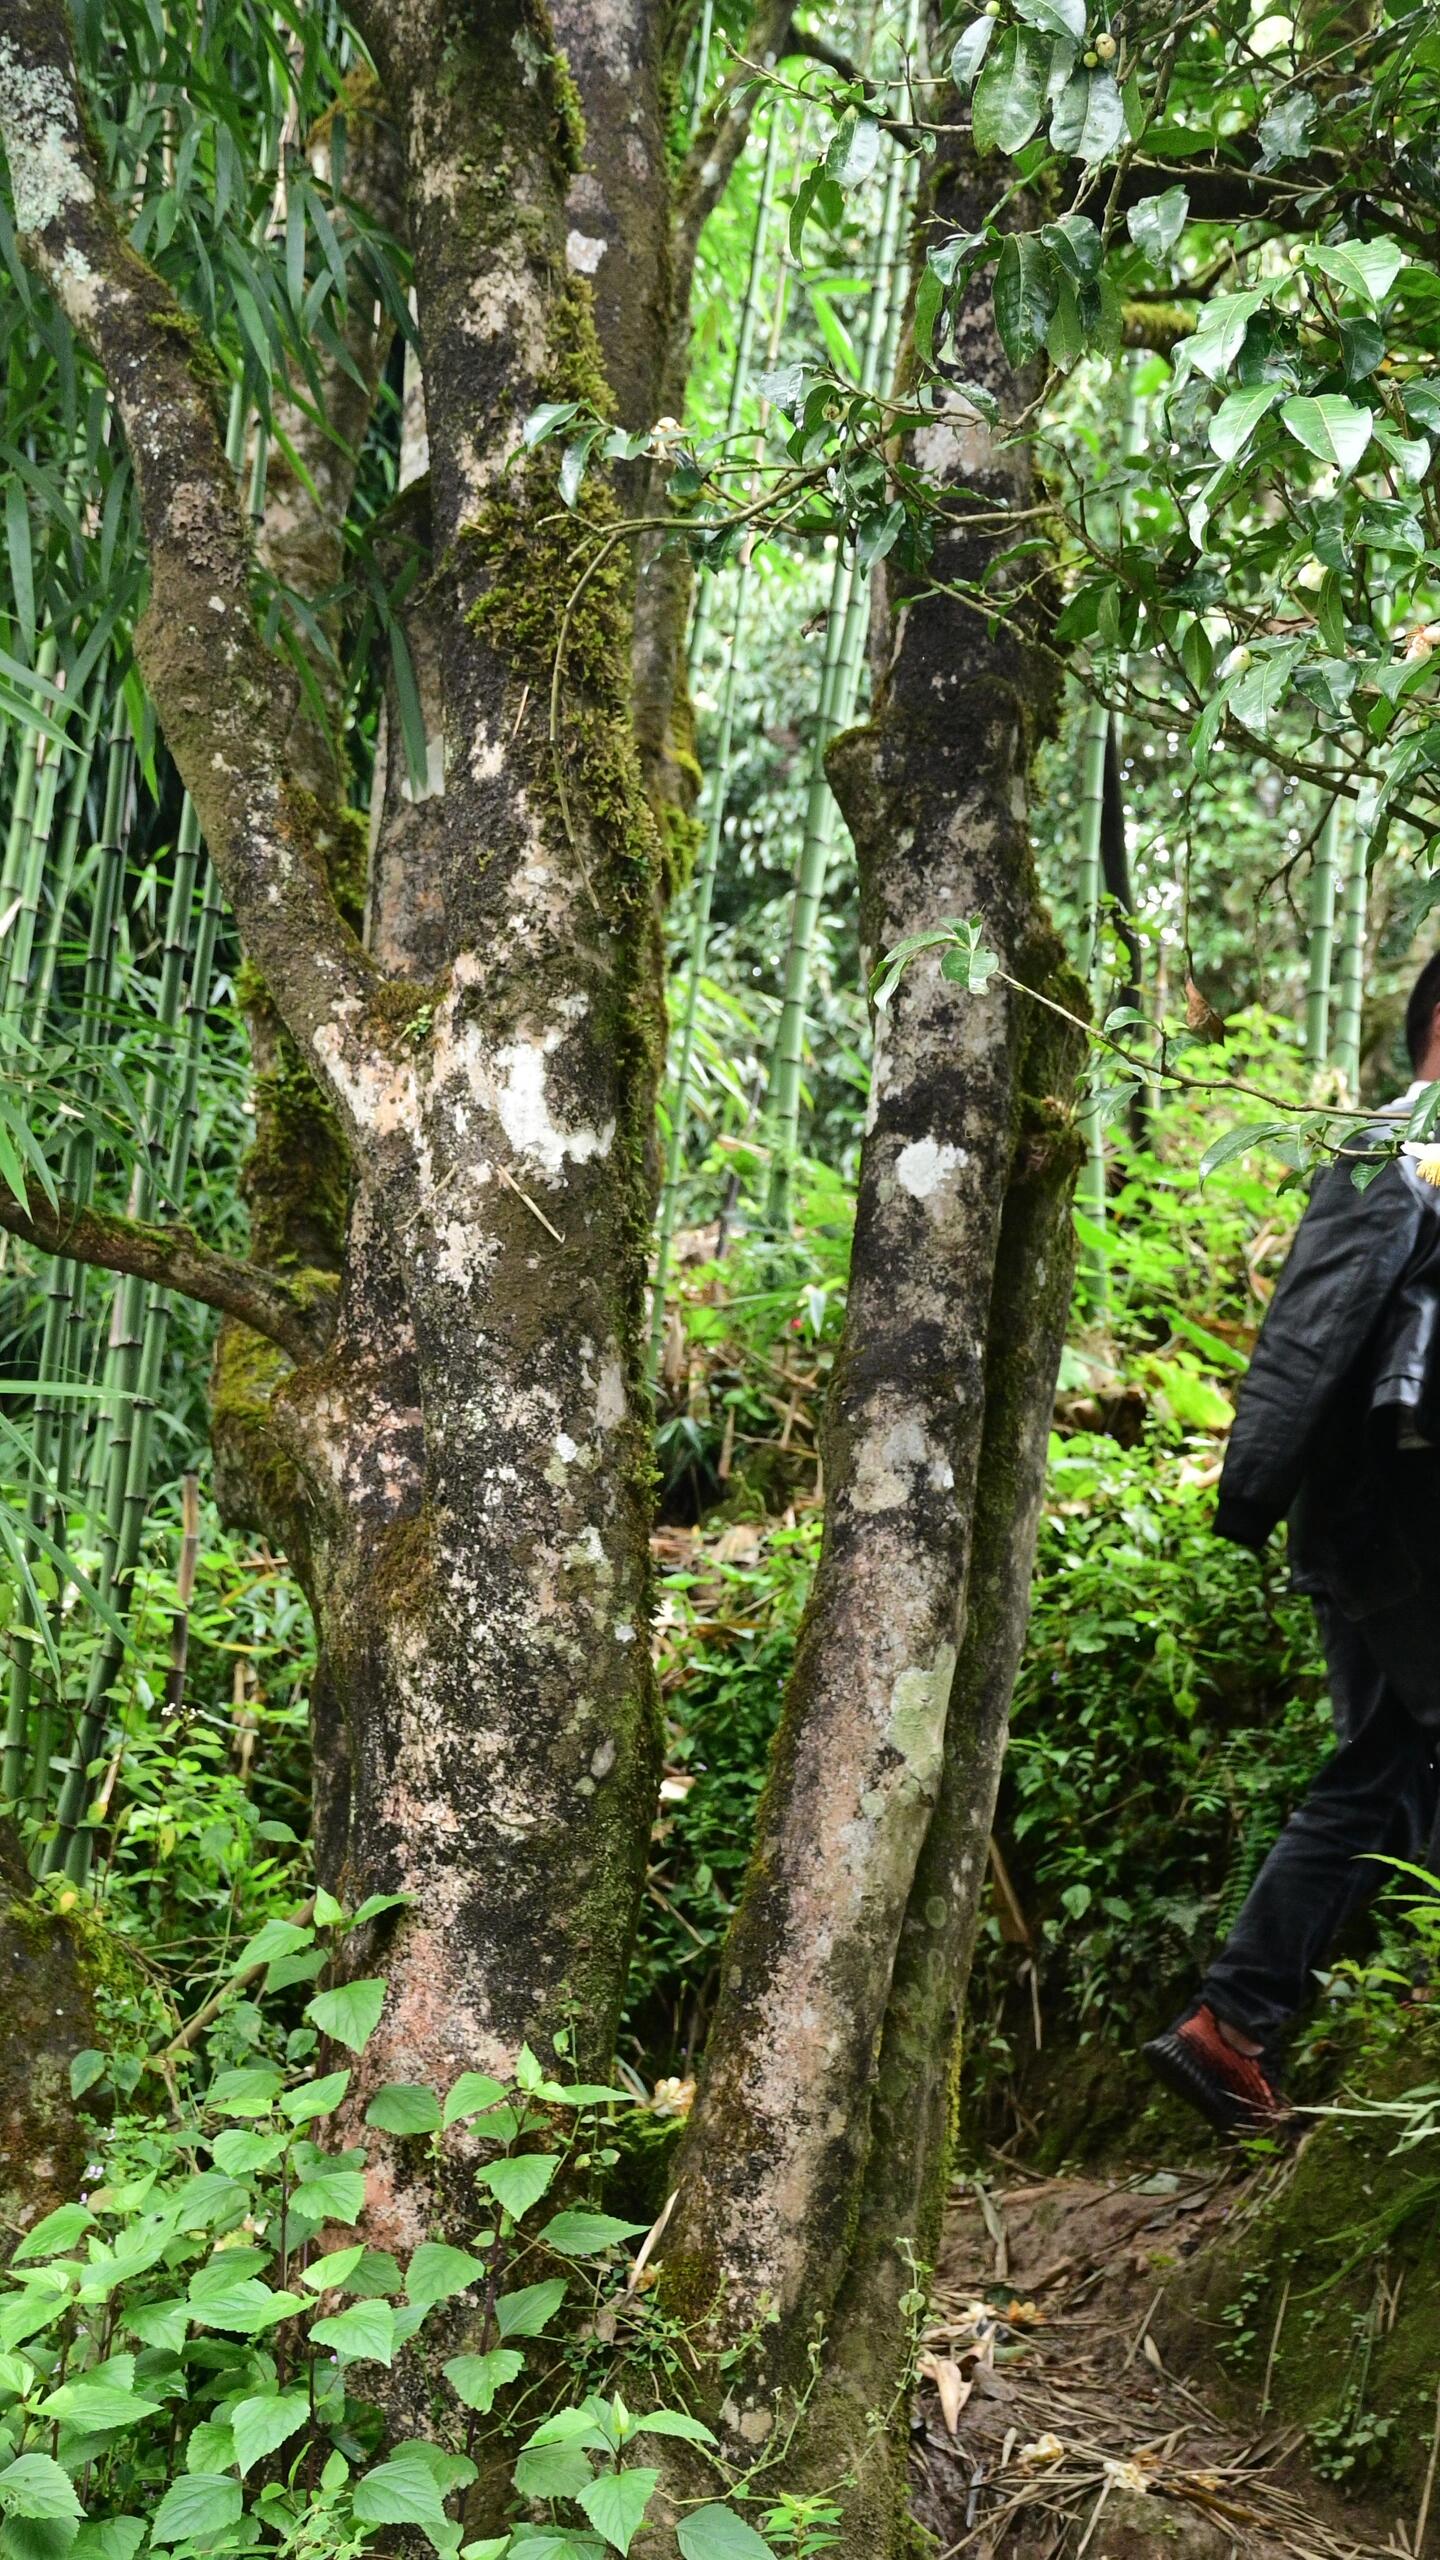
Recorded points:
(1233, 2091)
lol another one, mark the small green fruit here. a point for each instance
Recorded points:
(1091, 59)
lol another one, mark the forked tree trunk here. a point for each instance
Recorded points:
(818, 2146)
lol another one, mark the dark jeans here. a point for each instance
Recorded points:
(1377, 1796)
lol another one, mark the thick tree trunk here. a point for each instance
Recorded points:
(48, 2020)
(818, 2144)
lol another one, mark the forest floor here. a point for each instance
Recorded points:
(1049, 2424)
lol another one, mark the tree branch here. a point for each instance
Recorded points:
(176, 1258)
(220, 696)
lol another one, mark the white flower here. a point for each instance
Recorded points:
(1424, 1154)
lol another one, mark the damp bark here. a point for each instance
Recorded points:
(814, 2161)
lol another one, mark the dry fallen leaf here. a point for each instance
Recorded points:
(950, 2384)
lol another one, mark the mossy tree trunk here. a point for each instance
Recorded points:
(819, 2142)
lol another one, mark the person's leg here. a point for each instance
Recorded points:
(1373, 1798)
(1376, 1796)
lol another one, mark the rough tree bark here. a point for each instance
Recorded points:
(460, 1467)
(818, 2145)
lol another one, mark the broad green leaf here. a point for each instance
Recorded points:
(16, 2375)
(266, 2421)
(95, 2405)
(400, 2491)
(1027, 288)
(1333, 428)
(717, 2533)
(159, 2324)
(315, 2097)
(854, 151)
(436, 2271)
(929, 300)
(350, 2014)
(332, 2269)
(584, 2235)
(1238, 416)
(615, 2503)
(244, 2306)
(1156, 224)
(1089, 118)
(277, 1938)
(673, 2422)
(525, 2313)
(403, 2107)
(1221, 334)
(1054, 17)
(1010, 92)
(329, 2194)
(548, 419)
(1259, 693)
(364, 2331)
(1285, 131)
(1366, 267)
(518, 2184)
(476, 2379)
(970, 51)
(250, 2092)
(110, 2538)
(1239, 1142)
(85, 2069)
(238, 2152)
(56, 2235)
(375, 1903)
(200, 2504)
(329, 1914)
(473, 2092)
(553, 2471)
(210, 2448)
(36, 2486)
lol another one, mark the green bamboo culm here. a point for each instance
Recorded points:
(1095, 740)
(53, 1413)
(1350, 958)
(718, 777)
(1321, 935)
(841, 669)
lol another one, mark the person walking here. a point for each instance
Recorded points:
(1337, 1430)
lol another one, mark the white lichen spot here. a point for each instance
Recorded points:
(919, 1702)
(927, 1167)
(523, 1108)
(565, 1447)
(611, 1402)
(602, 1759)
(887, 1463)
(623, 1632)
(583, 254)
(41, 133)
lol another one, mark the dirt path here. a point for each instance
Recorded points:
(1048, 2426)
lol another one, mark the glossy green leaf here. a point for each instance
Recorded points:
(1010, 92)
(1089, 119)
(519, 2183)
(1027, 289)
(1333, 428)
(1238, 416)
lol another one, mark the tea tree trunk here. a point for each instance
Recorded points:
(814, 2161)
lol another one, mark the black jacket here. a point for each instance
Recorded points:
(1346, 1373)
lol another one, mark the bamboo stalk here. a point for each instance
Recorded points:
(1350, 963)
(839, 682)
(1321, 935)
(719, 776)
(1095, 739)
